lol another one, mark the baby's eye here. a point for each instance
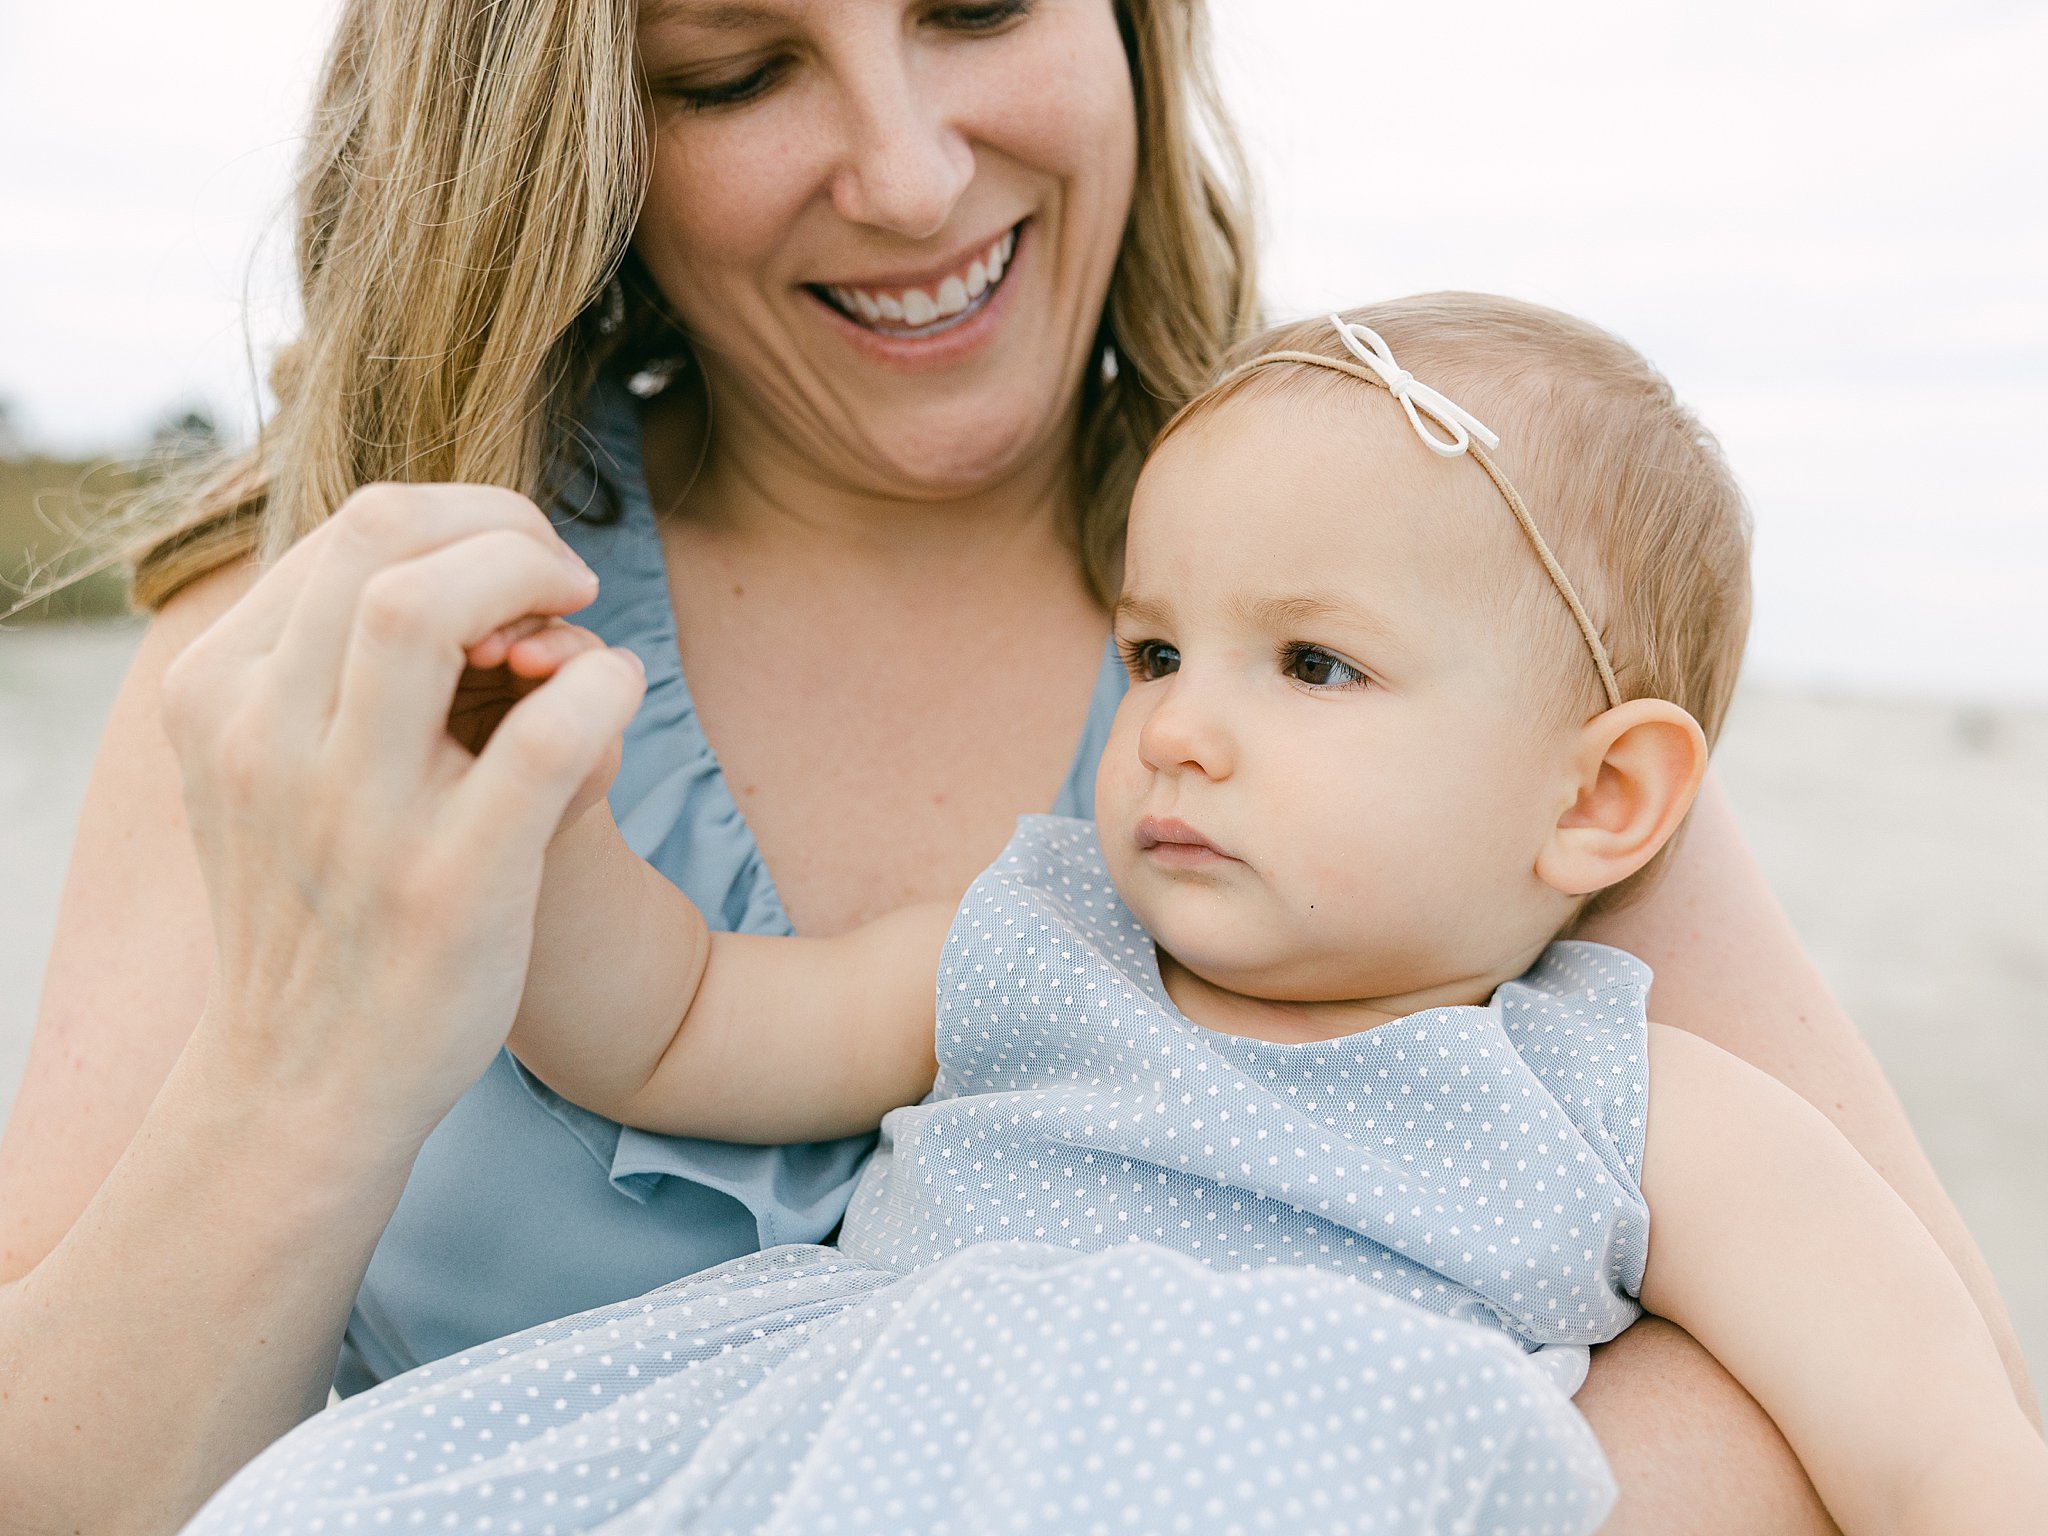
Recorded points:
(1319, 668)
(1147, 660)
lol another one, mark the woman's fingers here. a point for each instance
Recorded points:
(372, 883)
(531, 647)
(492, 650)
(543, 652)
(541, 759)
(377, 528)
(415, 621)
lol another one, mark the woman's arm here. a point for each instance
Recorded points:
(231, 1073)
(1730, 970)
(1691, 1450)
(1775, 1245)
(130, 1385)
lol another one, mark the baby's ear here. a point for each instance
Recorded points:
(1637, 767)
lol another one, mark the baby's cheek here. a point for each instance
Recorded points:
(1339, 892)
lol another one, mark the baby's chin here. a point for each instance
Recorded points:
(1228, 934)
(1265, 957)
(1274, 971)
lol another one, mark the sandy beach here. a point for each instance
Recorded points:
(1908, 841)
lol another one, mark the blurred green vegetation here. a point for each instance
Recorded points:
(60, 519)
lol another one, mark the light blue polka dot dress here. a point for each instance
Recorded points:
(1117, 1273)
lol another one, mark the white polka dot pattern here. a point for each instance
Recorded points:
(1481, 1162)
(1118, 1273)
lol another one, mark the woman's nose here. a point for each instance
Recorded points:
(905, 162)
(1186, 730)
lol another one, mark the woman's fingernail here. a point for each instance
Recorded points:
(632, 656)
(574, 561)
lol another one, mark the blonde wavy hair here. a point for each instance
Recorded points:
(469, 187)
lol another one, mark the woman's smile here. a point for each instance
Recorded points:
(891, 257)
(929, 319)
(920, 304)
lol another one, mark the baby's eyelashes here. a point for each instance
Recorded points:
(1318, 668)
(1314, 665)
(1147, 660)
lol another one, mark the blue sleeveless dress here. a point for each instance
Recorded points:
(1116, 1272)
(523, 1207)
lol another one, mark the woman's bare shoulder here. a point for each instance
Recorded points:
(192, 609)
(129, 963)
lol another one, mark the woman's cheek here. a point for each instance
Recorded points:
(724, 196)
(1088, 123)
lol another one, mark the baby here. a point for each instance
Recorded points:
(1276, 1161)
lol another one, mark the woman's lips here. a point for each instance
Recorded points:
(943, 343)
(1175, 842)
(921, 304)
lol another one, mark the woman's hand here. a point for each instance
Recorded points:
(504, 668)
(371, 842)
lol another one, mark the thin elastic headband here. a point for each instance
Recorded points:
(1466, 435)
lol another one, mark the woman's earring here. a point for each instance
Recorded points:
(613, 315)
(656, 374)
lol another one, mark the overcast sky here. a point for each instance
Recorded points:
(1824, 220)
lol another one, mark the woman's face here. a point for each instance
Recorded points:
(889, 225)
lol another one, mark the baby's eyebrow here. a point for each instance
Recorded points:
(1271, 613)
(1288, 612)
(1140, 612)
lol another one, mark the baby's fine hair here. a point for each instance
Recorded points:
(1631, 491)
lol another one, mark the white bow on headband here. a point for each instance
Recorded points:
(1417, 399)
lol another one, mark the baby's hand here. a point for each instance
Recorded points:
(503, 668)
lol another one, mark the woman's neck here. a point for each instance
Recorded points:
(750, 488)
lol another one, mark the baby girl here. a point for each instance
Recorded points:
(1273, 1161)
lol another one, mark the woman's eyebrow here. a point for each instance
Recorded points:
(717, 15)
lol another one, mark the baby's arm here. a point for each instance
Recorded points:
(633, 1008)
(1777, 1247)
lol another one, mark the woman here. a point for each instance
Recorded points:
(941, 270)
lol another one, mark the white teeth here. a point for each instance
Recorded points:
(916, 306)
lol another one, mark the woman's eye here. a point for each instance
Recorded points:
(979, 18)
(1147, 660)
(727, 93)
(1319, 669)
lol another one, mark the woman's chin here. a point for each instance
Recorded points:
(966, 454)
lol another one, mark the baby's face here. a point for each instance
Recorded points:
(1335, 769)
